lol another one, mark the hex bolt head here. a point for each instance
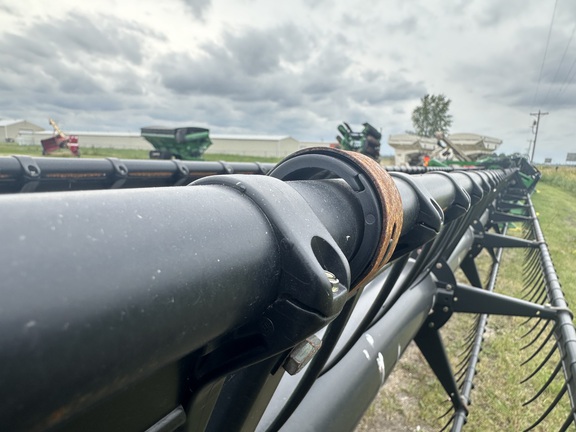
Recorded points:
(333, 280)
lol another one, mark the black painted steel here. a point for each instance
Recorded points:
(40, 174)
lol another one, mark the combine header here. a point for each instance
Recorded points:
(255, 302)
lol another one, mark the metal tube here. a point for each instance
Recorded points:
(52, 174)
(100, 289)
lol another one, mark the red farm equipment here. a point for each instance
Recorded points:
(60, 141)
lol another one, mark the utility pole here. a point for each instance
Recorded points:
(529, 147)
(537, 122)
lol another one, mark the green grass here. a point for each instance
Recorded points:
(563, 177)
(9, 149)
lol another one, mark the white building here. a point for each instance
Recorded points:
(257, 145)
(118, 140)
(10, 129)
(408, 147)
(245, 145)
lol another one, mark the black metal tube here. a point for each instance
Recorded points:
(99, 289)
(41, 174)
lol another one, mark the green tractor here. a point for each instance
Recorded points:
(188, 143)
(366, 142)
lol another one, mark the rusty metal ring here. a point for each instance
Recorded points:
(392, 211)
(384, 191)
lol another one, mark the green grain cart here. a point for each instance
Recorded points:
(188, 143)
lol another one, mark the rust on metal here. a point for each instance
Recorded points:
(391, 207)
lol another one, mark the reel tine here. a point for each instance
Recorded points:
(538, 289)
(532, 329)
(446, 412)
(541, 365)
(546, 384)
(465, 355)
(569, 421)
(538, 336)
(539, 348)
(447, 423)
(550, 408)
(534, 285)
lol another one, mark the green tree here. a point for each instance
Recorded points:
(431, 115)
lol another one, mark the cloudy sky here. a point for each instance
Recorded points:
(295, 67)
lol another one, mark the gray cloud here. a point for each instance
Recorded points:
(251, 70)
(197, 7)
(496, 12)
(77, 62)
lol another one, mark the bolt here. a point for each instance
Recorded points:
(445, 309)
(333, 280)
(302, 354)
(455, 299)
(438, 266)
(431, 325)
(448, 287)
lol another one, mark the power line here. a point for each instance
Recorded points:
(545, 52)
(569, 77)
(536, 123)
(559, 66)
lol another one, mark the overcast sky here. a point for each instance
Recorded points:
(295, 67)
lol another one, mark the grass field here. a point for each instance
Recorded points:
(413, 400)
(8, 149)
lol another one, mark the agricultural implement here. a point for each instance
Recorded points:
(255, 302)
(366, 142)
(60, 141)
(187, 143)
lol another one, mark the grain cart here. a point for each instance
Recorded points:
(187, 143)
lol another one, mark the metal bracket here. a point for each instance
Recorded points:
(119, 173)
(462, 200)
(30, 173)
(497, 217)
(469, 299)
(429, 220)
(492, 240)
(182, 174)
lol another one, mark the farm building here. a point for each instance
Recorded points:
(248, 145)
(119, 140)
(10, 129)
(408, 147)
(255, 145)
